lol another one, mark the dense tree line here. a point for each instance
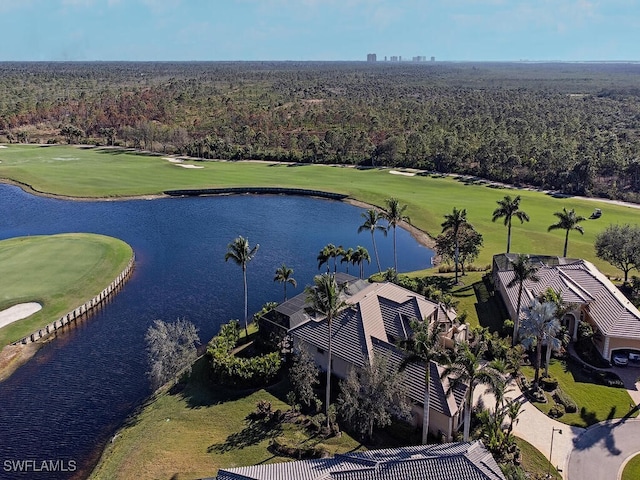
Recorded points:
(570, 127)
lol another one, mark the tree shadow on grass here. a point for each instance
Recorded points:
(256, 430)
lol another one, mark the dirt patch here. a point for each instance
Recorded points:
(13, 356)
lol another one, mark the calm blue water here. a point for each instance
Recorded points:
(68, 401)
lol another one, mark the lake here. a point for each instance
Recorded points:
(69, 400)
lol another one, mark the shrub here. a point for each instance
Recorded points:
(240, 372)
(538, 396)
(564, 399)
(549, 383)
(556, 411)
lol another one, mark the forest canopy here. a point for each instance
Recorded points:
(571, 127)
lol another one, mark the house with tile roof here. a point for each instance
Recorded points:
(597, 301)
(462, 461)
(377, 317)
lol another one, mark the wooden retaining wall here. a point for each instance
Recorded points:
(83, 310)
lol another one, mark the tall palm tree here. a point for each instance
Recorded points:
(467, 368)
(567, 220)
(371, 223)
(539, 322)
(241, 253)
(509, 208)
(283, 275)
(454, 221)
(424, 346)
(325, 299)
(522, 271)
(394, 214)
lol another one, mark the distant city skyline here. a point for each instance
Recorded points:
(319, 30)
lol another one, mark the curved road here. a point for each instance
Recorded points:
(602, 449)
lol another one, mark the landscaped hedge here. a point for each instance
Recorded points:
(228, 369)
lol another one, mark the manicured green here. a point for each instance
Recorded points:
(61, 272)
(77, 172)
(534, 462)
(193, 433)
(632, 469)
(596, 402)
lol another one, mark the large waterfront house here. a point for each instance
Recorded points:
(462, 461)
(597, 301)
(376, 319)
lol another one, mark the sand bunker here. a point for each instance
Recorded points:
(3, 146)
(172, 160)
(188, 166)
(18, 312)
(406, 174)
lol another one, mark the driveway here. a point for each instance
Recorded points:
(600, 452)
(537, 428)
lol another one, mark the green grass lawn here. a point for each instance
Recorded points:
(193, 433)
(534, 462)
(60, 272)
(632, 469)
(595, 402)
(88, 172)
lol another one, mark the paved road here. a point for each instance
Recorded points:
(601, 450)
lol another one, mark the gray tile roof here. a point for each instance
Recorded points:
(460, 461)
(580, 282)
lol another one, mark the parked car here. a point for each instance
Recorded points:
(620, 359)
(634, 357)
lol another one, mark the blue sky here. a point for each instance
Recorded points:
(450, 30)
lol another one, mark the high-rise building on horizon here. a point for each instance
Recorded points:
(372, 57)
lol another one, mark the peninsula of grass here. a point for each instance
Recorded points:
(192, 432)
(631, 469)
(107, 173)
(60, 272)
(595, 402)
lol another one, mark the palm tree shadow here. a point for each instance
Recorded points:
(256, 430)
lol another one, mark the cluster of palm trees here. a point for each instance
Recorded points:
(349, 256)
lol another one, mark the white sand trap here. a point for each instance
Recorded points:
(3, 146)
(18, 312)
(188, 166)
(172, 160)
(406, 174)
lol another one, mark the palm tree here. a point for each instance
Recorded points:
(454, 221)
(424, 347)
(328, 252)
(325, 299)
(568, 220)
(371, 219)
(360, 256)
(346, 256)
(539, 322)
(522, 271)
(467, 368)
(240, 252)
(509, 208)
(283, 275)
(394, 214)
